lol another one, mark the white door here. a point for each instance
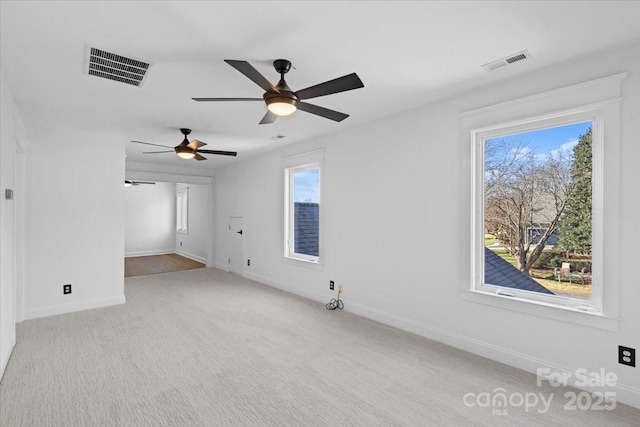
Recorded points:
(235, 245)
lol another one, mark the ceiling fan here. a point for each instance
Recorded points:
(282, 101)
(186, 149)
(129, 183)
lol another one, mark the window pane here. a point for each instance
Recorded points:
(538, 210)
(178, 211)
(306, 220)
(181, 211)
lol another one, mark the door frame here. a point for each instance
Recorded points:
(137, 175)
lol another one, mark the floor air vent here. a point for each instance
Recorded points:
(116, 67)
(506, 61)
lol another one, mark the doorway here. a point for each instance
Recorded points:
(206, 233)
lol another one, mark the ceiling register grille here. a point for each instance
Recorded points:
(506, 61)
(116, 67)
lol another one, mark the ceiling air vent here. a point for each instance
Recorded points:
(506, 61)
(116, 67)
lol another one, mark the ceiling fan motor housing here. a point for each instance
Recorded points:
(183, 149)
(285, 95)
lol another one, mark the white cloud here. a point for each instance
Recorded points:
(565, 150)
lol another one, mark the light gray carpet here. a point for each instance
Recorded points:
(207, 348)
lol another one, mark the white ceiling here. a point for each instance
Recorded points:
(407, 54)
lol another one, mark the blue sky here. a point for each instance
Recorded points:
(306, 186)
(562, 138)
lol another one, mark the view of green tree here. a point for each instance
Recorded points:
(575, 225)
(523, 190)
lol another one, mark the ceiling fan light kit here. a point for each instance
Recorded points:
(185, 153)
(184, 149)
(284, 102)
(281, 106)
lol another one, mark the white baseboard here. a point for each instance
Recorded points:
(624, 393)
(191, 256)
(149, 253)
(53, 310)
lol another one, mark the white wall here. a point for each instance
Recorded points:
(150, 212)
(397, 228)
(193, 244)
(75, 223)
(11, 132)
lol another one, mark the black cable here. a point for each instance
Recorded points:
(335, 303)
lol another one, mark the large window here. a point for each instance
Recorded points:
(535, 206)
(302, 217)
(544, 179)
(182, 210)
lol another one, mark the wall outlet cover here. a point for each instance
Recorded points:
(627, 356)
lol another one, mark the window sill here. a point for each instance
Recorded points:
(182, 231)
(540, 309)
(316, 265)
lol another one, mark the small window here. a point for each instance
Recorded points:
(534, 199)
(302, 218)
(182, 212)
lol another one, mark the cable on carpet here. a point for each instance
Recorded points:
(335, 303)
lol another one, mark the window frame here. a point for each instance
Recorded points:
(478, 138)
(182, 211)
(291, 166)
(602, 94)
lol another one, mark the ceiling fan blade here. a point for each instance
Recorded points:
(341, 84)
(254, 75)
(222, 153)
(323, 112)
(141, 182)
(156, 152)
(199, 157)
(195, 144)
(268, 118)
(148, 143)
(226, 99)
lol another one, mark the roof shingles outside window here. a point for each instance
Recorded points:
(306, 228)
(499, 272)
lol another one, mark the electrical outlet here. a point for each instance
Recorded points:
(331, 285)
(627, 356)
(66, 289)
(248, 263)
(339, 288)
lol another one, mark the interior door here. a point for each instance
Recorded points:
(235, 245)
